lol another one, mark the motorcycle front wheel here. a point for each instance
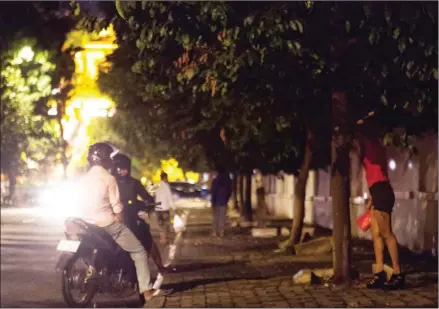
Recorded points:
(73, 280)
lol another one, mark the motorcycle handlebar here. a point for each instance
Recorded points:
(153, 204)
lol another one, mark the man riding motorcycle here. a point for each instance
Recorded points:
(105, 210)
(129, 189)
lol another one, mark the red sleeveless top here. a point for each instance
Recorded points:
(374, 162)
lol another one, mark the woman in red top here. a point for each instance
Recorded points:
(373, 157)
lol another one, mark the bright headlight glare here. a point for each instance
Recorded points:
(60, 202)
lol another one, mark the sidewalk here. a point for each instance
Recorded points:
(242, 271)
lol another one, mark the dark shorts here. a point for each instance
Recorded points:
(383, 197)
(163, 220)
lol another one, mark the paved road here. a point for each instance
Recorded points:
(28, 259)
(237, 271)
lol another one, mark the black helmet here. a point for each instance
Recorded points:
(100, 154)
(121, 162)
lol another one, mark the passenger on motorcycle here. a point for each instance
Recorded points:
(105, 210)
(129, 189)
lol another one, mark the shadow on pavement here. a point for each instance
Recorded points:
(41, 304)
(196, 266)
(28, 244)
(116, 303)
(186, 286)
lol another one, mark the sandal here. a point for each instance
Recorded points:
(378, 281)
(396, 282)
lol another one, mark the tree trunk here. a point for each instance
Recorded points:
(241, 194)
(64, 160)
(248, 213)
(340, 190)
(235, 192)
(261, 204)
(12, 177)
(299, 196)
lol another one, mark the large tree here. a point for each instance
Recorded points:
(265, 76)
(30, 48)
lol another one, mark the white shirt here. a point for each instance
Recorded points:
(100, 197)
(164, 195)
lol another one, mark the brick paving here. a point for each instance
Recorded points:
(242, 271)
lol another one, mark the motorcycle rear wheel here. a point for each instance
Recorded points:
(69, 278)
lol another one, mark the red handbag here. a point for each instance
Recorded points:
(364, 221)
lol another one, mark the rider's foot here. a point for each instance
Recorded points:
(166, 269)
(149, 294)
(166, 265)
(158, 282)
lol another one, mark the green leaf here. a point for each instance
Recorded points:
(248, 20)
(150, 36)
(401, 46)
(236, 33)
(387, 139)
(372, 35)
(137, 67)
(348, 26)
(77, 10)
(190, 72)
(435, 73)
(299, 26)
(185, 39)
(131, 21)
(384, 100)
(293, 25)
(396, 33)
(179, 77)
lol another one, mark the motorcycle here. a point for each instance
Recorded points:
(91, 262)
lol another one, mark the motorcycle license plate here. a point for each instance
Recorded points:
(68, 245)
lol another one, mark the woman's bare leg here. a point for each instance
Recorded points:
(385, 225)
(378, 243)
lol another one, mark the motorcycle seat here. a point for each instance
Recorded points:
(96, 231)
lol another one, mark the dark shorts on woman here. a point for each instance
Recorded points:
(163, 220)
(383, 197)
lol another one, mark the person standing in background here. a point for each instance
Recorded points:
(382, 200)
(163, 195)
(221, 192)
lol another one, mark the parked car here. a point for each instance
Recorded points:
(187, 195)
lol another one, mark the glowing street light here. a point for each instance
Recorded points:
(26, 53)
(392, 164)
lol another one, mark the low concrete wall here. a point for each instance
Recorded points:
(414, 180)
(414, 221)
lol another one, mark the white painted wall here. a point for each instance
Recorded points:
(415, 215)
